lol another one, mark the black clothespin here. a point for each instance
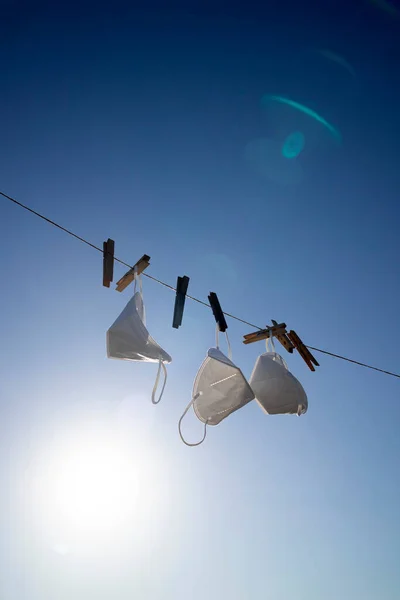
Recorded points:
(217, 311)
(140, 266)
(108, 262)
(181, 290)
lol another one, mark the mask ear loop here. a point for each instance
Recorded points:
(153, 394)
(180, 423)
(229, 346)
(227, 341)
(270, 341)
(138, 283)
(300, 410)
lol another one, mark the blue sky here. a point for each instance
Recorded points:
(132, 124)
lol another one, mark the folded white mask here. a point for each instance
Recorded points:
(219, 389)
(128, 338)
(277, 391)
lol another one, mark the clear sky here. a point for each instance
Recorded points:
(136, 125)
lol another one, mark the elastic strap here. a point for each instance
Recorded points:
(153, 395)
(180, 423)
(137, 281)
(270, 341)
(227, 341)
(229, 346)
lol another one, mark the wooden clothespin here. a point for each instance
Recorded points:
(108, 262)
(181, 290)
(289, 340)
(303, 350)
(217, 311)
(140, 266)
(283, 338)
(278, 330)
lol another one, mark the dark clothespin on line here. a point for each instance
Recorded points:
(181, 291)
(108, 267)
(108, 262)
(140, 266)
(289, 340)
(217, 312)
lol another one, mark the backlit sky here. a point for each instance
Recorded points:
(132, 124)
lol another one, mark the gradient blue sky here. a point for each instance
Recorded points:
(132, 124)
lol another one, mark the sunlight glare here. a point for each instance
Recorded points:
(96, 485)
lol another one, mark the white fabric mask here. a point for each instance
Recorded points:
(219, 389)
(128, 338)
(277, 391)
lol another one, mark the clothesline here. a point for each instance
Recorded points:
(172, 288)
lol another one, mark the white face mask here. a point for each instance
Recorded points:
(277, 391)
(219, 389)
(128, 338)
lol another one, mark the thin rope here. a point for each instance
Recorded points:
(172, 288)
(355, 362)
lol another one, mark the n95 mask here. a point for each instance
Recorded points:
(129, 339)
(219, 389)
(277, 391)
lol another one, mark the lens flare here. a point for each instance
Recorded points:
(293, 144)
(268, 99)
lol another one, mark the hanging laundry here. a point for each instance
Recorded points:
(219, 389)
(276, 390)
(128, 338)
